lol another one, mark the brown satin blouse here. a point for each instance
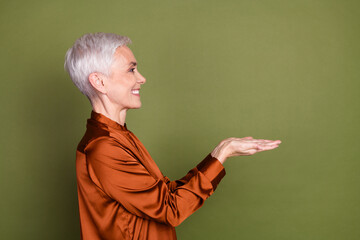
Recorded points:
(122, 193)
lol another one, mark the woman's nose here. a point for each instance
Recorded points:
(141, 79)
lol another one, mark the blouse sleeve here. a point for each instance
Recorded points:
(124, 179)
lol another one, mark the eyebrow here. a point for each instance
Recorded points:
(133, 64)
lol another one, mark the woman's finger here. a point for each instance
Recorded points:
(269, 141)
(262, 141)
(267, 147)
(251, 151)
(245, 138)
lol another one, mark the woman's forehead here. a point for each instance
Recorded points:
(123, 55)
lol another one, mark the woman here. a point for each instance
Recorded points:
(122, 193)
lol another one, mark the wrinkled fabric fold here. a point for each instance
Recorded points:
(123, 194)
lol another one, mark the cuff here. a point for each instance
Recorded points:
(212, 169)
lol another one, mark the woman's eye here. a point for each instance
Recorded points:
(132, 70)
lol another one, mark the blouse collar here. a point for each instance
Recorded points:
(107, 121)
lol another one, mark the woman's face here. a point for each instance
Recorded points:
(123, 88)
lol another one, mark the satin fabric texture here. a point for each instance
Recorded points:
(122, 193)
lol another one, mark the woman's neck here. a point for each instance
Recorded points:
(110, 111)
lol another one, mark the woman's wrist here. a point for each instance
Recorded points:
(220, 153)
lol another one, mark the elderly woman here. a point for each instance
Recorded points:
(122, 193)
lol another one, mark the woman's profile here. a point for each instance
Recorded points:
(122, 193)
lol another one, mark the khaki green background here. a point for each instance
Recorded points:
(275, 69)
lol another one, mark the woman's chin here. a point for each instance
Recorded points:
(137, 106)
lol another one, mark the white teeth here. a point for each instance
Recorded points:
(135, 91)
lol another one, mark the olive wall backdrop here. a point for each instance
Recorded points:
(284, 70)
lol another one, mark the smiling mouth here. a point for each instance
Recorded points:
(135, 91)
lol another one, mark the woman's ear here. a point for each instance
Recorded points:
(96, 80)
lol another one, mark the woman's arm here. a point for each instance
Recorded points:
(124, 179)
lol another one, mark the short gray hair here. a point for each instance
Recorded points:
(93, 52)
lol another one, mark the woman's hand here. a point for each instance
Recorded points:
(231, 147)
